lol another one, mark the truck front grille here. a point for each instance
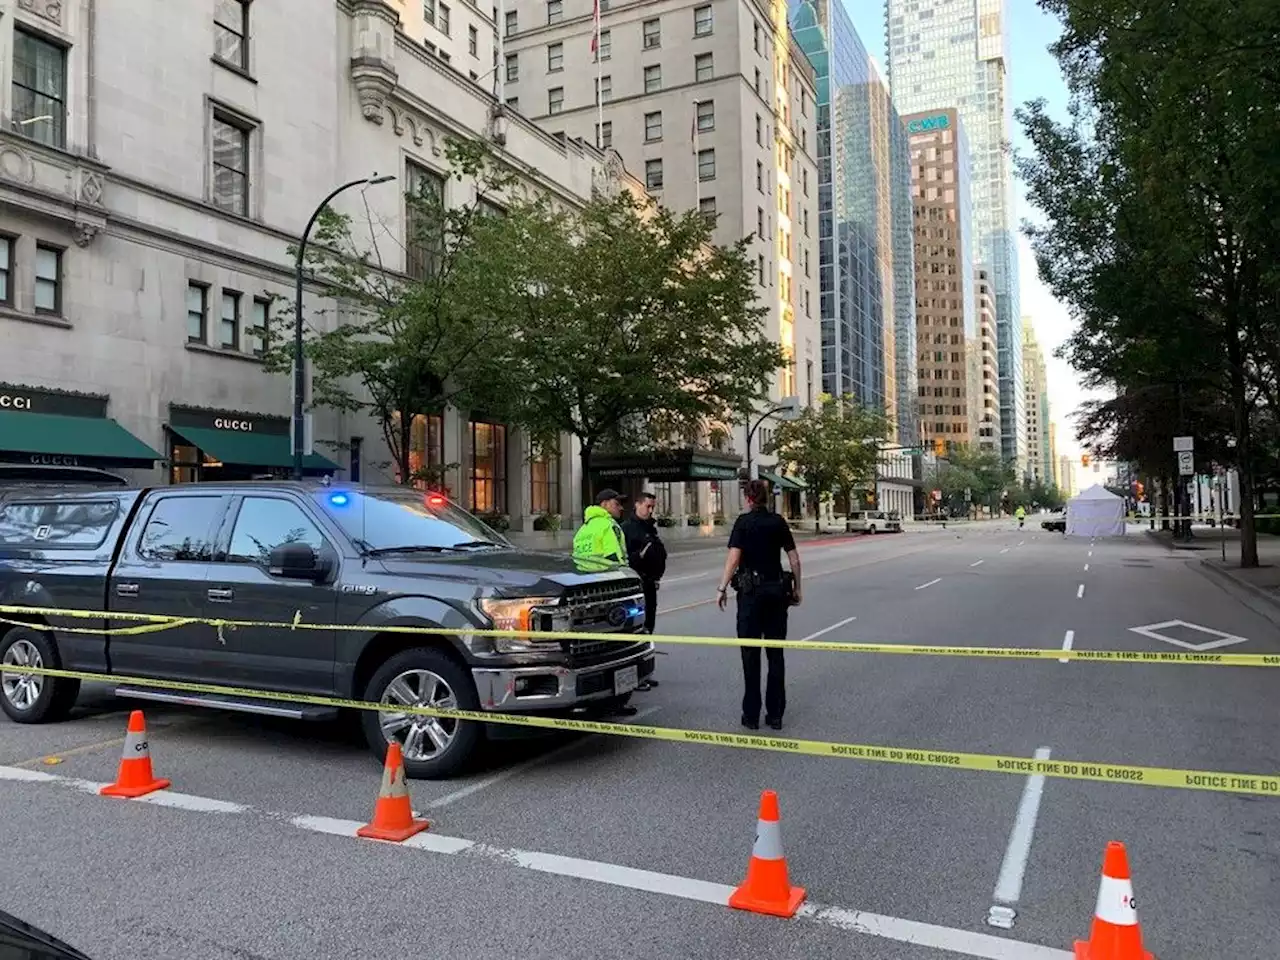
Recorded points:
(589, 608)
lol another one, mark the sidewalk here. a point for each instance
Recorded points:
(1207, 545)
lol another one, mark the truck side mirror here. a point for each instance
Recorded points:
(298, 561)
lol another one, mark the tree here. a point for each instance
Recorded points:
(416, 343)
(1161, 196)
(635, 329)
(834, 445)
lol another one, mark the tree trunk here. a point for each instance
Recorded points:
(1244, 448)
(1164, 502)
(584, 463)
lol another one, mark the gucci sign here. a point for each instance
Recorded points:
(10, 402)
(225, 423)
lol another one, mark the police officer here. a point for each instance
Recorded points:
(754, 567)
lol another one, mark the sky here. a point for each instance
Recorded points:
(1033, 73)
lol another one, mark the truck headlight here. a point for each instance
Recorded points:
(520, 616)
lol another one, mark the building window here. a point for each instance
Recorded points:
(555, 11)
(760, 176)
(473, 41)
(555, 99)
(39, 89)
(755, 36)
(197, 312)
(488, 468)
(429, 11)
(258, 333)
(653, 174)
(760, 268)
(511, 21)
(6, 270)
(514, 103)
(804, 179)
(425, 197)
(759, 131)
(604, 89)
(806, 221)
(604, 49)
(652, 34)
(706, 116)
(604, 134)
(707, 164)
(760, 222)
(757, 81)
(230, 164)
(426, 449)
(702, 21)
(707, 207)
(703, 67)
(231, 32)
(653, 126)
(48, 280)
(653, 78)
(229, 328)
(442, 21)
(544, 481)
(513, 67)
(555, 57)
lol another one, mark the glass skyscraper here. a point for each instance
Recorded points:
(865, 242)
(953, 53)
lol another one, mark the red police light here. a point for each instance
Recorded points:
(435, 501)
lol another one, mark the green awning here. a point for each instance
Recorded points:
(780, 481)
(89, 440)
(250, 449)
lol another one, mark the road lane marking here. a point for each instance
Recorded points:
(1005, 550)
(1091, 553)
(930, 583)
(1021, 542)
(977, 563)
(1086, 566)
(826, 630)
(1067, 643)
(1016, 855)
(1080, 592)
(515, 770)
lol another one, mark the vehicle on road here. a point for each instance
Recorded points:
(1055, 522)
(873, 521)
(356, 560)
(22, 941)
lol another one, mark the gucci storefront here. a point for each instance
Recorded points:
(41, 428)
(233, 445)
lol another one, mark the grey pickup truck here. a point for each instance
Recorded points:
(358, 558)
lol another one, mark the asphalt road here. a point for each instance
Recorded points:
(599, 847)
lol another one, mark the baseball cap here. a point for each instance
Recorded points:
(608, 493)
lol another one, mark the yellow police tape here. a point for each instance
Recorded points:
(154, 622)
(1240, 783)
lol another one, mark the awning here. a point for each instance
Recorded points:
(250, 449)
(780, 481)
(668, 465)
(76, 441)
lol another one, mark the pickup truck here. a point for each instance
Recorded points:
(359, 558)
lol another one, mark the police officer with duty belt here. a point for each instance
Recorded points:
(765, 593)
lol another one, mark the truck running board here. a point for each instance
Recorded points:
(267, 708)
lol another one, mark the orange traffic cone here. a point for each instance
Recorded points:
(135, 778)
(1116, 934)
(767, 889)
(392, 815)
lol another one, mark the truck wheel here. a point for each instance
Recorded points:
(434, 748)
(29, 697)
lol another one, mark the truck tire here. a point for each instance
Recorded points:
(28, 698)
(433, 748)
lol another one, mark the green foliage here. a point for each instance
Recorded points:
(411, 343)
(1161, 197)
(634, 328)
(834, 445)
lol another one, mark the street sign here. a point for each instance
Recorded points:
(1186, 463)
(1184, 444)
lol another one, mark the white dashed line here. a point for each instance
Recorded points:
(1005, 550)
(977, 563)
(1086, 567)
(825, 630)
(1091, 553)
(1021, 542)
(930, 583)
(1080, 592)
(1018, 852)
(1067, 643)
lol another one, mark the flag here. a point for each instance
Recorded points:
(595, 37)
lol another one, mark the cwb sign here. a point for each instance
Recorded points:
(929, 124)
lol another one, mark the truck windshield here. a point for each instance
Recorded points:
(386, 520)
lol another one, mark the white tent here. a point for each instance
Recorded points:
(1096, 512)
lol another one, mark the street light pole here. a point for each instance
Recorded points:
(299, 373)
(783, 407)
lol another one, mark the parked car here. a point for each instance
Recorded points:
(873, 521)
(364, 558)
(43, 475)
(1055, 522)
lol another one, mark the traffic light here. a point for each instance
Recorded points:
(939, 447)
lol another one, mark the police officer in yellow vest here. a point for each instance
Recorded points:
(600, 537)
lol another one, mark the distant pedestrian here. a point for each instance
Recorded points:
(647, 555)
(765, 594)
(1021, 514)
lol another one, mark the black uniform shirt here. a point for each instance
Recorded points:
(763, 537)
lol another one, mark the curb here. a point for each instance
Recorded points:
(1259, 592)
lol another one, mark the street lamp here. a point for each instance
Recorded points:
(299, 376)
(789, 406)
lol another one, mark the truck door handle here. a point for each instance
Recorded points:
(221, 593)
(126, 589)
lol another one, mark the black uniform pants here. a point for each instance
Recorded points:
(650, 603)
(763, 618)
